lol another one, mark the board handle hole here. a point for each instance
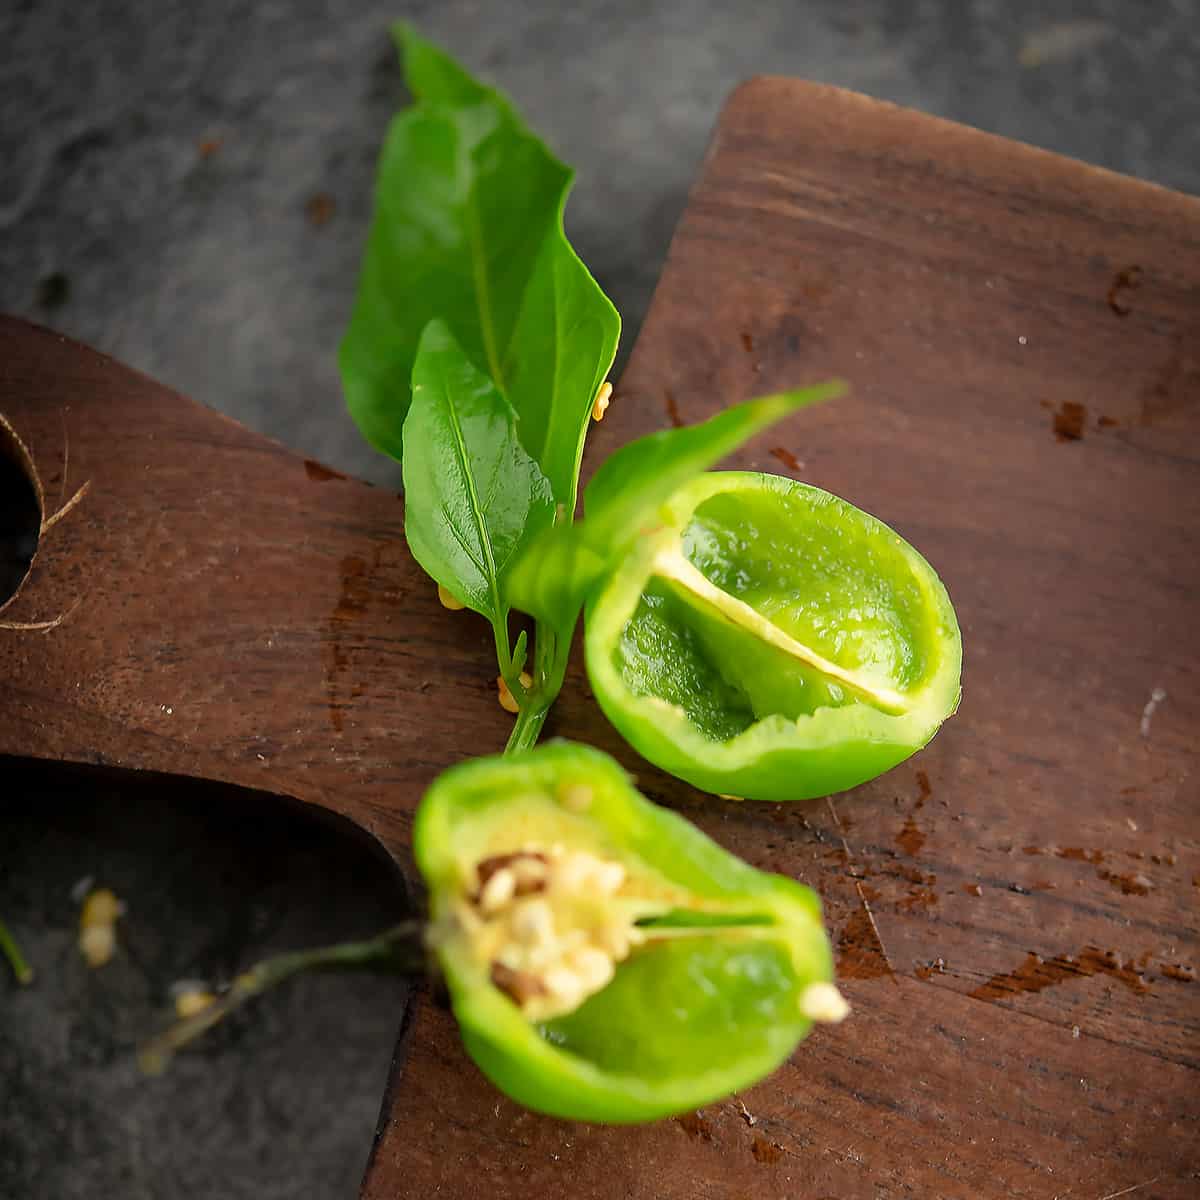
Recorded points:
(21, 512)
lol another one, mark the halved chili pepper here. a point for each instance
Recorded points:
(771, 641)
(605, 959)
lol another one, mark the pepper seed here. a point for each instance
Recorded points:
(823, 1002)
(593, 967)
(533, 922)
(576, 797)
(600, 404)
(498, 891)
(449, 600)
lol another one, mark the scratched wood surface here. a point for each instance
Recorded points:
(1014, 909)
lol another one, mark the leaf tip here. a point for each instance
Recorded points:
(817, 393)
(404, 35)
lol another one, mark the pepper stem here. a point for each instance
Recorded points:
(534, 703)
(9, 948)
(528, 726)
(401, 947)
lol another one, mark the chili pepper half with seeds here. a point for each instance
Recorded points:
(605, 959)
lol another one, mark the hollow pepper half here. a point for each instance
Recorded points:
(764, 639)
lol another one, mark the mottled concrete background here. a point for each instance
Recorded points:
(187, 185)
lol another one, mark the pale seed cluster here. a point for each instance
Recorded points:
(545, 923)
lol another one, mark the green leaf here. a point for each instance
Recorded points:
(433, 75)
(473, 496)
(553, 576)
(643, 474)
(468, 228)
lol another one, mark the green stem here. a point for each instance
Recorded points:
(528, 726)
(550, 653)
(9, 948)
(504, 658)
(401, 947)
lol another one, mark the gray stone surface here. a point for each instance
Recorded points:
(160, 168)
(207, 273)
(281, 1101)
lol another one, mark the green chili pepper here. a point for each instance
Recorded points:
(606, 960)
(768, 640)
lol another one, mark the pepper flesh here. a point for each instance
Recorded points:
(768, 640)
(664, 975)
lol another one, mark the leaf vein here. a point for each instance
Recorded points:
(488, 568)
(483, 298)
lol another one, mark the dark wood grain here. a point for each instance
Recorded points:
(1015, 909)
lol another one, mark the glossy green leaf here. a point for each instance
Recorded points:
(473, 494)
(468, 229)
(643, 474)
(551, 579)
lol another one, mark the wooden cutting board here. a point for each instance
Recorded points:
(1014, 909)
